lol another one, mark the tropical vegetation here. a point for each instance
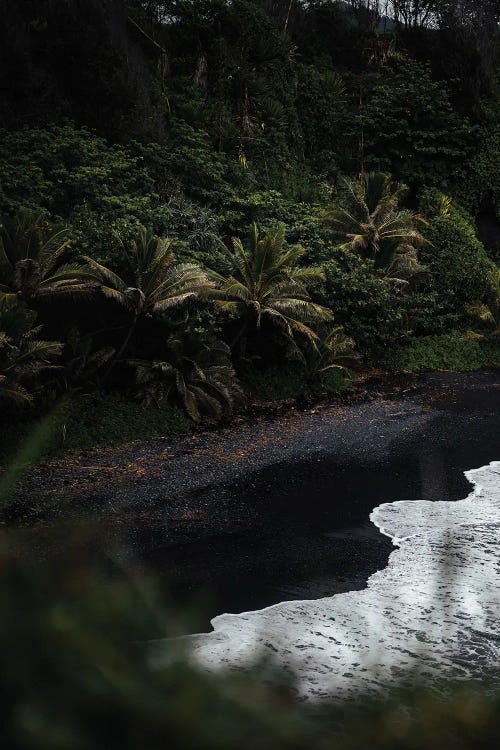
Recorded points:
(264, 282)
(255, 200)
(374, 225)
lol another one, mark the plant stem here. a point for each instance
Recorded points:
(122, 349)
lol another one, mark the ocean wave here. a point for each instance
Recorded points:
(434, 611)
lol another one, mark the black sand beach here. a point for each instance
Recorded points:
(270, 509)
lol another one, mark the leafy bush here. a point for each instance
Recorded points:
(105, 419)
(261, 283)
(24, 357)
(100, 191)
(428, 312)
(276, 382)
(486, 315)
(291, 380)
(197, 369)
(322, 104)
(196, 229)
(372, 223)
(187, 164)
(303, 221)
(452, 351)
(364, 302)
(410, 128)
(460, 271)
(64, 169)
(483, 178)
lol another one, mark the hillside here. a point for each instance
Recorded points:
(139, 138)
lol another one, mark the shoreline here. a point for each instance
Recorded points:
(355, 640)
(269, 508)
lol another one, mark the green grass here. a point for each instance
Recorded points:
(275, 383)
(89, 421)
(289, 381)
(451, 351)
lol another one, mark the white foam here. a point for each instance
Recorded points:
(434, 611)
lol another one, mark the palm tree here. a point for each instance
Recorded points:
(31, 260)
(152, 284)
(264, 281)
(83, 362)
(375, 226)
(23, 356)
(332, 352)
(197, 371)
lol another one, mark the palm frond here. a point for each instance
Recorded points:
(265, 280)
(102, 275)
(374, 225)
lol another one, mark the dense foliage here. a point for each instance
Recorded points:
(206, 200)
(459, 269)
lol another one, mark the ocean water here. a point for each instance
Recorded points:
(434, 611)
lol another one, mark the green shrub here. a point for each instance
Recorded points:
(321, 104)
(102, 191)
(483, 177)
(460, 271)
(303, 221)
(105, 419)
(275, 383)
(187, 163)
(428, 313)
(410, 128)
(290, 381)
(64, 168)
(452, 351)
(367, 305)
(91, 421)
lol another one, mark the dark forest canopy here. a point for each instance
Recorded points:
(57, 56)
(274, 84)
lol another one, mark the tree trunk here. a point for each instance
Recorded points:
(239, 334)
(122, 348)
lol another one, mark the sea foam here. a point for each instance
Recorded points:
(434, 611)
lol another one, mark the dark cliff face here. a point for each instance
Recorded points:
(80, 59)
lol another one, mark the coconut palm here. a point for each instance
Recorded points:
(197, 371)
(263, 281)
(152, 283)
(373, 224)
(31, 259)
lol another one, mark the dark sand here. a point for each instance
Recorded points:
(268, 510)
